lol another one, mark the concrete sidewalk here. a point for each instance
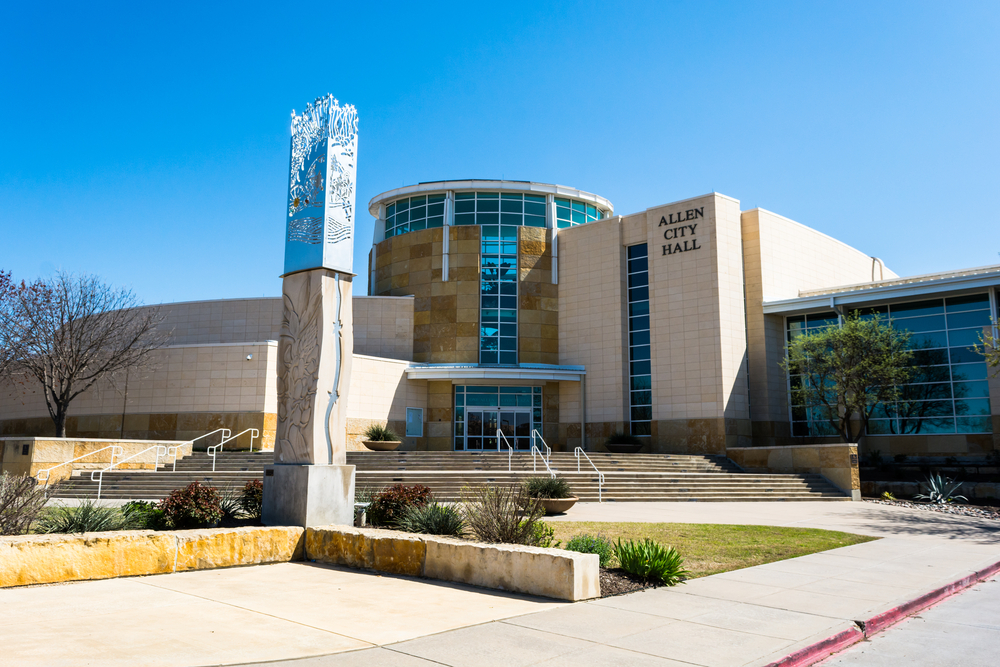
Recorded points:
(291, 611)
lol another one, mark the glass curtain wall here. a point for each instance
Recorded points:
(948, 393)
(481, 411)
(413, 213)
(570, 213)
(640, 372)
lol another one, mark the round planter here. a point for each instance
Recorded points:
(623, 448)
(558, 505)
(382, 445)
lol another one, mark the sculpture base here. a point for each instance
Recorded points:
(308, 495)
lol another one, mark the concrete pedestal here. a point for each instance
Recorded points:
(308, 495)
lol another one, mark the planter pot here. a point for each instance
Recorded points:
(558, 505)
(382, 445)
(622, 448)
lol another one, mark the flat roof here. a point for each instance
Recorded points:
(487, 184)
(907, 287)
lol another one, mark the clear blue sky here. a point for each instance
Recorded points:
(148, 143)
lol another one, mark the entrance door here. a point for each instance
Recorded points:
(481, 429)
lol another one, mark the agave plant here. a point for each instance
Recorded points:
(941, 490)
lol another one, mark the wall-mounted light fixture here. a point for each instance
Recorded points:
(249, 357)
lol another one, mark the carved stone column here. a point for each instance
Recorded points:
(310, 483)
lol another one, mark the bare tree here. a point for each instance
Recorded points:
(8, 295)
(69, 332)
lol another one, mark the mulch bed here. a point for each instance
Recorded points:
(956, 509)
(615, 581)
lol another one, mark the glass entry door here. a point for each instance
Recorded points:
(482, 425)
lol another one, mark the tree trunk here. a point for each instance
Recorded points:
(60, 421)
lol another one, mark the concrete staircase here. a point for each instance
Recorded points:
(628, 477)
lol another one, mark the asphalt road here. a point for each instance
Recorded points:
(963, 631)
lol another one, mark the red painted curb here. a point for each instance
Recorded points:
(825, 648)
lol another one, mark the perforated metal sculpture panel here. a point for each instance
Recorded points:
(323, 164)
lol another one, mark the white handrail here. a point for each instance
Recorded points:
(510, 450)
(214, 449)
(172, 450)
(160, 451)
(600, 475)
(548, 450)
(534, 467)
(116, 450)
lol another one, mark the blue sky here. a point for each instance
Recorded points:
(149, 143)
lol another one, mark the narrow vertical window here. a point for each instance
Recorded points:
(640, 371)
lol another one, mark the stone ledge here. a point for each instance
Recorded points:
(48, 559)
(837, 463)
(554, 573)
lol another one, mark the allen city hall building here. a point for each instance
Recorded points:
(522, 307)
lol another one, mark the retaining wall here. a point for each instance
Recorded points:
(838, 464)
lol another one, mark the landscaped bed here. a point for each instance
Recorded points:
(707, 548)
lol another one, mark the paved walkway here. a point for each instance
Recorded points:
(290, 611)
(962, 631)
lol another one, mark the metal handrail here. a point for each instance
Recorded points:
(600, 475)
(172, 450)
(534, 466)
(160, 451)
(510, 450)
(116, 450)
(548, 450)
(214, 449)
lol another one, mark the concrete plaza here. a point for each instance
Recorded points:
(310, 615)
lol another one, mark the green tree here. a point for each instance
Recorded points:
(848, 371)
(989, 347)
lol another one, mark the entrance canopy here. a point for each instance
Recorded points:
(469, 372)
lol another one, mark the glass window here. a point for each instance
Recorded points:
(414, 422)
(640, 378)
(948, 391)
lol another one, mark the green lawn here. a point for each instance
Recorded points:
(713, 548)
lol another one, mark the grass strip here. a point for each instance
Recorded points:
(713, 548)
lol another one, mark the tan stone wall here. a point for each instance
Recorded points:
(837, 463)
(538, 312)
(379, 394)
(591, 323)
(156, 426)
(48, 453)
(222, 321)
(445, 314)
(203, 378)
(698, 322)
(439, 415)
(383, 326)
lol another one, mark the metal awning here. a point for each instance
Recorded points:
(524, 372)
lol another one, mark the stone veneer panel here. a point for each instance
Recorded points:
(538, 316)
(439, 415)
(445, 313)
(383, 326)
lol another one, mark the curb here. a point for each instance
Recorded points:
(825, 648)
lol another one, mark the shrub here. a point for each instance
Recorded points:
(621, 438)
(20, 503)
(389, 506)
(501, 514)
(875, 457)
(887, 495)
(432, 519)
(650, 561)
(591, 544)
(542, 535)
(547, 487)
(87, 517)
(193, 507)
(229, 502)
(145, 514)
(252, 498)
(941, 490)
(366, 494)
(379, 433)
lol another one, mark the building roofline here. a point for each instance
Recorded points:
(488, 184)
(967, 280)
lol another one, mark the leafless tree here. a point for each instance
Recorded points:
(69, 332)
